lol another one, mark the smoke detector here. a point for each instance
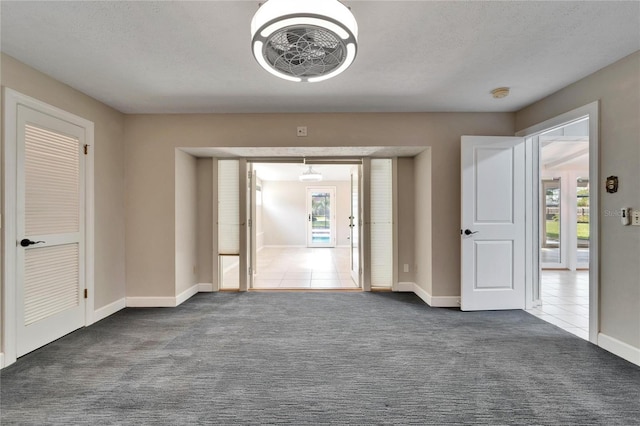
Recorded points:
(304, 40)
(500, 92)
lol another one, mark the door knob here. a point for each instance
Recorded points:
(469, 232)
(27, 242)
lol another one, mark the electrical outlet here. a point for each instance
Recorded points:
(302, 131)
(635, 217)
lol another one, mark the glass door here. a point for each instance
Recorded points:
(550, 249)
(321, 217)
(582, 226)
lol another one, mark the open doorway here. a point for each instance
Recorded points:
(564, 212)
(303, 234)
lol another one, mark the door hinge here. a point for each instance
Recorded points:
(86, 293)
(250, 223)
(86, 149)
(249, 174)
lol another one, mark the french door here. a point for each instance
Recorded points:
(321, 228)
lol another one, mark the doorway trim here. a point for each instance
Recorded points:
(12, 99)
(532, 189)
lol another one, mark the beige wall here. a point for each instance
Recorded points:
(186, 225)
(406, 216)
(284, 211)
(423, 205)
(150, 141)
(618, 89)
(205, 219)
(109, 169)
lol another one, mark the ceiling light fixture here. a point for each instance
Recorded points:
(310, 176)
(500, 92)
(304, 40)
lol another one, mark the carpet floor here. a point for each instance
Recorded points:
(319, 358)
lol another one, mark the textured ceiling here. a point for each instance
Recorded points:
(152, 57)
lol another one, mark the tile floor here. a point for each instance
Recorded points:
(565, 300)
(298, 268)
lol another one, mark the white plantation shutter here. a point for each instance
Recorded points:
(228, 207)
(50, 281)
(381, 223)
(52, 190)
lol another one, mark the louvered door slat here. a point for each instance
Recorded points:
(381, 223)
(228, 207)
(52, 192)
(47, 290)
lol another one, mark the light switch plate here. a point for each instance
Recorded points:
(635, 217)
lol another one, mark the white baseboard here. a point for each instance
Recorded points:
(445, 301)
(343, 246)
(162, 302)
(276, 246)
(422, 294)
(205, 287)
(619, 348)
(151, 302)
(433, 301)
(185, 295)
(109, 309)
(405, 286)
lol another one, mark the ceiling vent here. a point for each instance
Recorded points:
(304, 40)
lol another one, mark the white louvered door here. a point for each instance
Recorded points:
(381, 227)
(50, 229)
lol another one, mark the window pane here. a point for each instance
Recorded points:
(582, 193)
(550, 252)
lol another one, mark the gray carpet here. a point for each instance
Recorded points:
(319, 358)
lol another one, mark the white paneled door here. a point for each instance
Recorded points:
(50, 227)
(493, 223)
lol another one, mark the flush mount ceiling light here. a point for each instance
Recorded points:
(304, 40)
(310, 176)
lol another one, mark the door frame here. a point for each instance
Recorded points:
(12, 99)
(355, 223)
(532, 281)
